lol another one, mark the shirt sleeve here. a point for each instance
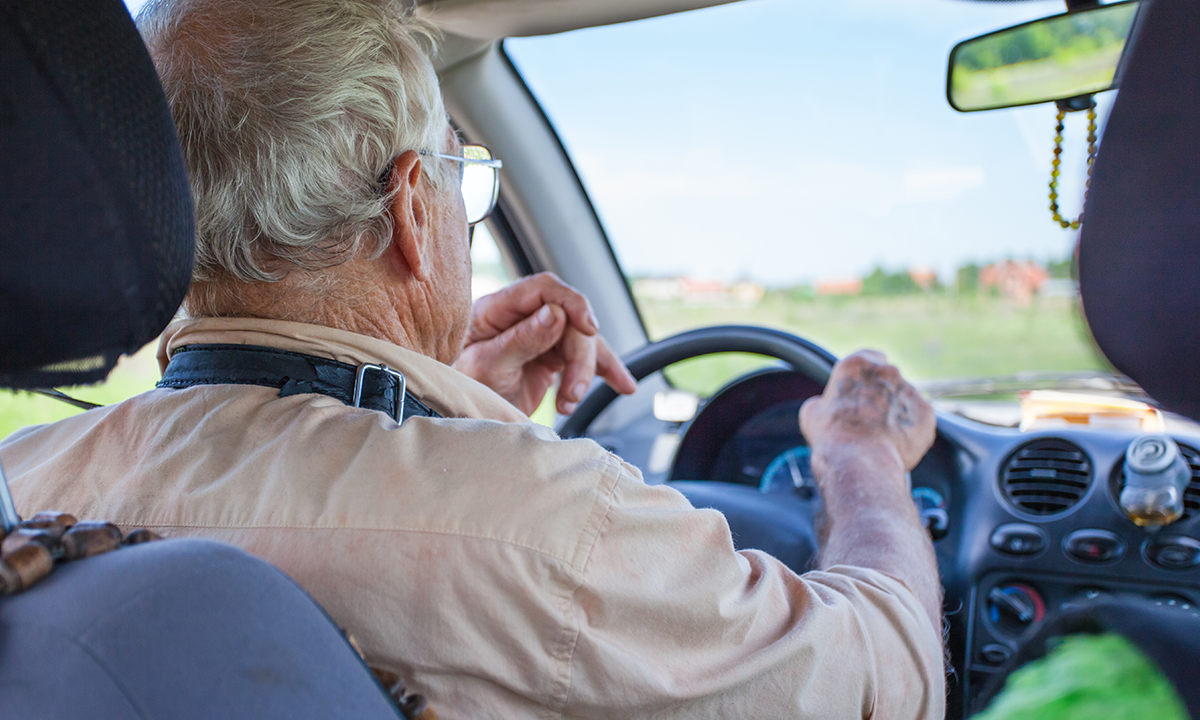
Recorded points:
(673, 622)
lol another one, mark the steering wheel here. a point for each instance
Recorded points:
(805, 357)
(780, 525)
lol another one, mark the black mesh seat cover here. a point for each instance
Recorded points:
(96, 226)
(1139, 254)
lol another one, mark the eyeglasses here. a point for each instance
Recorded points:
(479, 176)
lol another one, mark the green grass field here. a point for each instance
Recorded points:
(926, 336)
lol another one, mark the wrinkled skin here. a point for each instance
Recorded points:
(866, 400)
(520, 337)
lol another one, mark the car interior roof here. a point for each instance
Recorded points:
(487, 20)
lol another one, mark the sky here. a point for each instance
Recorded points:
(789, 140)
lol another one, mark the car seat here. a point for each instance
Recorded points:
(96, 245)
(1139, 248)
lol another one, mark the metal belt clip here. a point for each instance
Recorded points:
(358, 387)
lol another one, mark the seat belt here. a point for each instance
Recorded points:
(371, 386)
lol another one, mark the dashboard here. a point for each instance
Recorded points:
(1024, 523)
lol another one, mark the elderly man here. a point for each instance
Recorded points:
(498, 570)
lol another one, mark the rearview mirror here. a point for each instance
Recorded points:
(1055, 58)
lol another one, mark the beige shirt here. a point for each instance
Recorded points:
(501, 571)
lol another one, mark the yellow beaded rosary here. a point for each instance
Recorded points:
(1054, 170)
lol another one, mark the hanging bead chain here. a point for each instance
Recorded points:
(1054, 170)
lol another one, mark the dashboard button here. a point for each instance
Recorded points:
(1092, 545)
(936, 521)
(1173, 552)
(995, 653)
(1019, 539)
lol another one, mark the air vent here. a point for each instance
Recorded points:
(1046, 477)
(1191, 496)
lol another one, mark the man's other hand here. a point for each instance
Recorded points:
(521, 336)
(865, 404)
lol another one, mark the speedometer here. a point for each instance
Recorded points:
(790, 471)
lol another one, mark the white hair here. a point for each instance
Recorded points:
(289, 113)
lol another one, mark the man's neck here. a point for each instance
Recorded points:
(406, 317)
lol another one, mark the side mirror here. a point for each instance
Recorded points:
(1055, 58)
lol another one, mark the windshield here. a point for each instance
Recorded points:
(797, 165)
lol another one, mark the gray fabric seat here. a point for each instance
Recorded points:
(177, 630)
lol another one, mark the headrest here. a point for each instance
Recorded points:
(96, 226)
(1139, 253)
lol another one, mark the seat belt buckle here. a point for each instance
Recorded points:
(398, 414)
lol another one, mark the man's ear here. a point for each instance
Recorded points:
(410, 215)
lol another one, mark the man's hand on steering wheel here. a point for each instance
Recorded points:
(867, 403)
(522, 335)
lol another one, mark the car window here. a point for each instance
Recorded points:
(796, 165)
(490, 265)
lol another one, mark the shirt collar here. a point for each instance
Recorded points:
(439, 386)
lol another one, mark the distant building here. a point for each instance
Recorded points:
(839, 286)
(1015, 280)
(747, 292)
(704, 291)
(924, 277)
(699, 291)
(661, 289)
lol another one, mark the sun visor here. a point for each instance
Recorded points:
(1139, 254)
